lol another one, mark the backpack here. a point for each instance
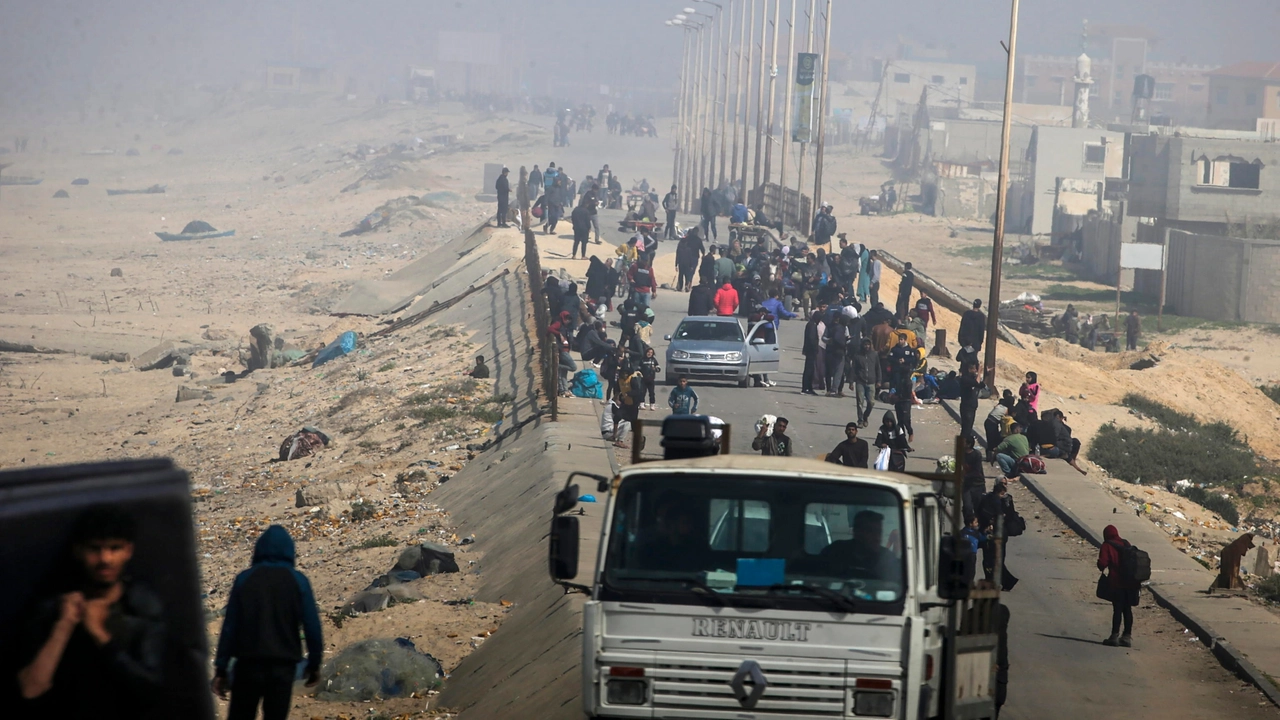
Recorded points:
(1135, 564)
(586, 384)
(1031, 465)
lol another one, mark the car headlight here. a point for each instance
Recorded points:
(679, 355)
(875, 704)
(626, 692)
(733, 356)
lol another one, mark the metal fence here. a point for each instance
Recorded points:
(791, 206)
(548, 353)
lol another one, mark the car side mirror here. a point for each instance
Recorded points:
(667, 338)
(955, 557)
(562, 548)
(757, 341)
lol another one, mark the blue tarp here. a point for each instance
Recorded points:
(344, 345)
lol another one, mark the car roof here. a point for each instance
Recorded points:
(781, 467)
(711, 318)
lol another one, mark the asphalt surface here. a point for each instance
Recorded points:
(1059, 668)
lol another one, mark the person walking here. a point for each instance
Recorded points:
(707, 209)
(776, 443)
(973, 328)
(999, 520)
(503, 188)
(535, 181)
(580, 218)
(837, 345)
(683, 400)
(671, 203)
(726, 300)
(649, 370)
(824, 225)
(970, 384)
(1132, 329)
(875, 268)
(894, 438)
(269, 604)
(852, 451)
(688, 255)
(866, 377)
(644, 286)
(974, 479)
(810, 351)
(1120, 589)
(905, 288)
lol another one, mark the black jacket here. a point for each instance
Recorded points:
(811, 337)
(866, 367)
(973, 328)
(503, 186)
(597, 277)
(581, 220)
(907, 284)
(850, 453)
(269, 604)
(701, 300)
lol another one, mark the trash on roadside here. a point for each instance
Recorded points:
(379, 668)
(304, 443)
(344, 345)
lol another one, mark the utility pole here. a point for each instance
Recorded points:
(773, 92)
(822, 108)
(724, 109)
(764, 39)
(746, 102)
(804, 146)
(714, 83)
(678, 133)
(695, 93)
(704, 110)
(785, 147)
(738, 97)
(997, 249)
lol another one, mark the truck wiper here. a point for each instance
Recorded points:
(693, 583)
(841, 601)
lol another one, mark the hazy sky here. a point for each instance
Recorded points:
(57, 48)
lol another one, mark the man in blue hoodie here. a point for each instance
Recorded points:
(269, 604)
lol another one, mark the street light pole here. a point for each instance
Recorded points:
(724, 107)
(773, 91)
(785, 147)
(997, 248)
(822, 108)
(746, 94)
(738, 95)
(678, 132)
(804, 146)
(714, 83)
(764, 39)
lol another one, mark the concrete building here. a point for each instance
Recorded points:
(1181, 90)
(1223, 278)
(1241, 94)
(300, 79)
(1203, 184)
(1058, 157)
(949, 84)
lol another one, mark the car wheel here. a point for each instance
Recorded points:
(744, 382)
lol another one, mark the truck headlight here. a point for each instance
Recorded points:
(875, 704)
(627, 692)
(679, 355)
(733, 356)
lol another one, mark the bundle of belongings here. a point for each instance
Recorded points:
(304, 443)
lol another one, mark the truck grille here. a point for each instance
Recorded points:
(794, 688)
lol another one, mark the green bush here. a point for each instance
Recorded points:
(1182, 422)
(432, 413)
(1271, 391)
(1159, 457)
(1269, 588)
(380, 541)
(1214, 502)
(486, 415)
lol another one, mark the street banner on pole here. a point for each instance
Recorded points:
(806, 71)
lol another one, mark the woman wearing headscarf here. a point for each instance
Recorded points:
(1122, 592)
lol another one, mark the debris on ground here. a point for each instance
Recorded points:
(304, 443)
(344, 345)
(377, 669)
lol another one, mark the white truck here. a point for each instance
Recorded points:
(758, 587)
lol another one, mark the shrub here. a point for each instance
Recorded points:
(432, 413)
(388, 365)
(380, 541)
(361, 511)
(1174, 420)
(1271, 391)
(486, 415)
(1213, 501)
(504, 398)
(1159, 457)
(1269, 588)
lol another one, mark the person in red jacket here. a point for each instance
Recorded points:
(1124, 592)
(726, 300)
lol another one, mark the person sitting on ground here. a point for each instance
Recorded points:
(992, 424)
(1011, 450)
(1064, 446)
(480, 371)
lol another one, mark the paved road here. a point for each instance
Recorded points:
(1059, 667)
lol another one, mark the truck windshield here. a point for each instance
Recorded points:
(799, 543)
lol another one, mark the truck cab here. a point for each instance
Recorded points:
(760, 587)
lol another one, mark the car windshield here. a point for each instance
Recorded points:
(709, 330)
(745, 537)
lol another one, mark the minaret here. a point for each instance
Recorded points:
(1083, 81)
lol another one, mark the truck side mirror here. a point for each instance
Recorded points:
(955, 567)
(563, 547)
(566, 499)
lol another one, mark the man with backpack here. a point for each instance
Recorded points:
(1126, 568)
(671, 203)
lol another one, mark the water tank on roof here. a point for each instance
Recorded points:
(1144, 86)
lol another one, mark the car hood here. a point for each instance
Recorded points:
(707, 346)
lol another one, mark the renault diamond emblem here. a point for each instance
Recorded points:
(750, 671)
